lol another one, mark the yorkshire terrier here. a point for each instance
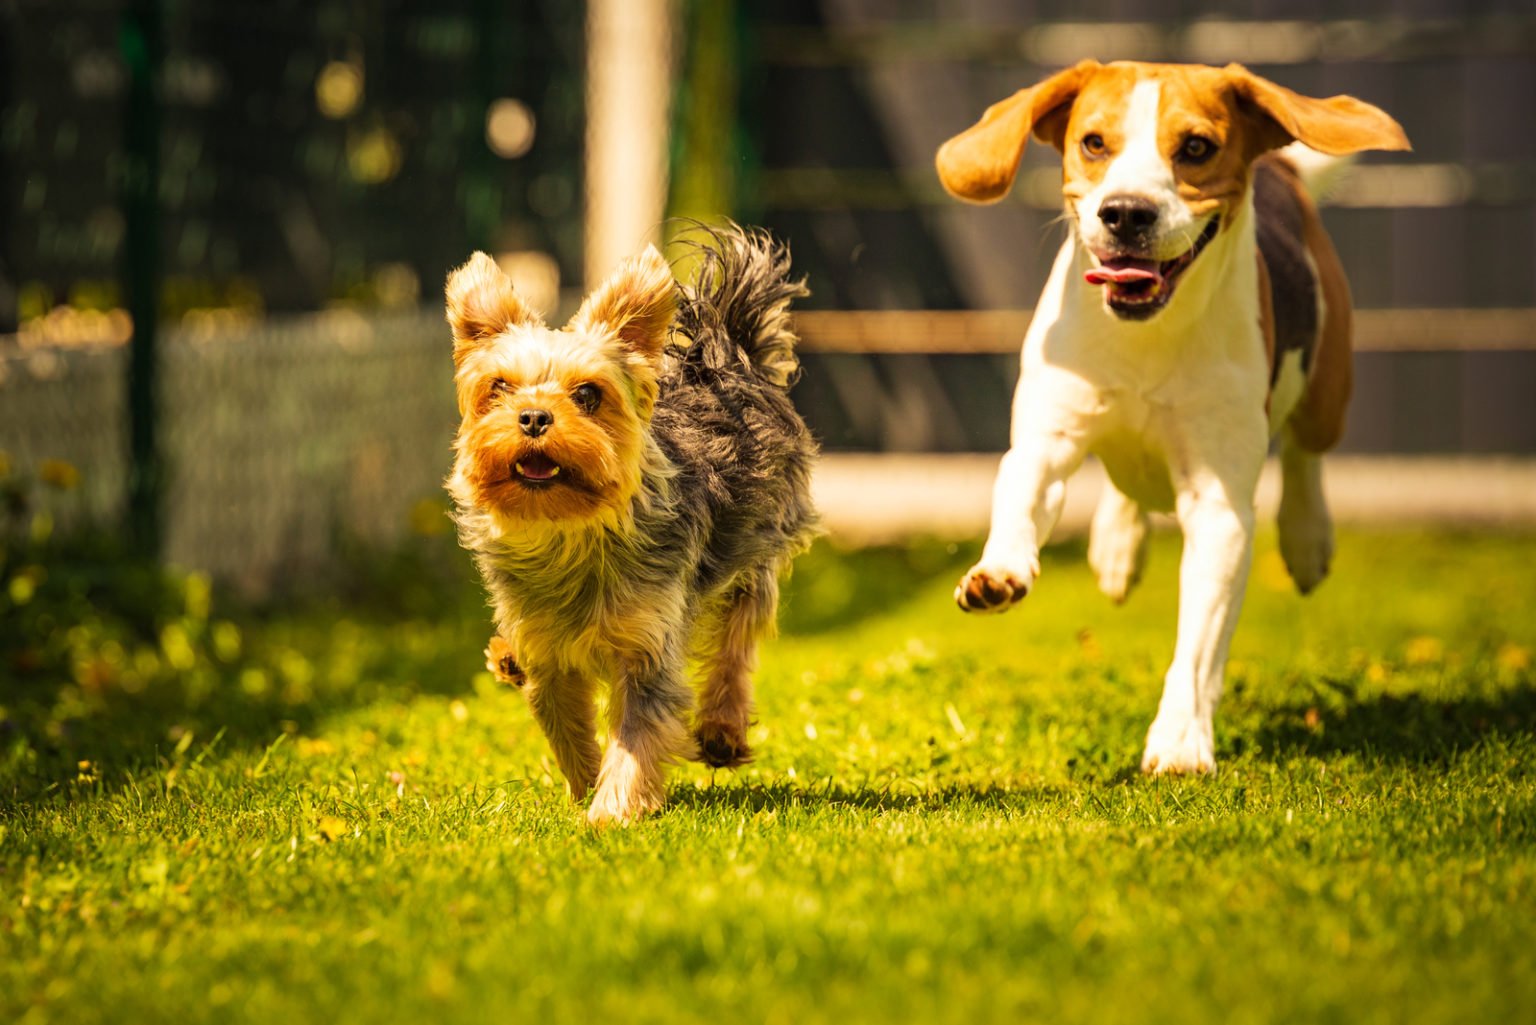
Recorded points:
(631, 486)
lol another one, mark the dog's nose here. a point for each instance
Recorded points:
(535, 422)
(1128, 217)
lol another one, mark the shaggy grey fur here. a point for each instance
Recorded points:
(723, 507)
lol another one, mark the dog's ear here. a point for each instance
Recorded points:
(980, 163)
(636, 305)
(1337, 125)
(482, 304)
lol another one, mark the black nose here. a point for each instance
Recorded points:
(1128, 217)
(535, 422)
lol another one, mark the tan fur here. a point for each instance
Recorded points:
(482, 305)
(728, 654)
(1319, 420)
(636, 303)
(1336, 125)
(563, 705)
(501, 660)
(979, 164)
(1266, 312)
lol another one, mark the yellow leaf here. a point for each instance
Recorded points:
(332, 828)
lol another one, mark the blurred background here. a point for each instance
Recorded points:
(225, 224)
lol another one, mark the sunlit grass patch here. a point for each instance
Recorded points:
(328, 811)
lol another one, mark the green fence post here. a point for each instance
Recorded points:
(142, 48)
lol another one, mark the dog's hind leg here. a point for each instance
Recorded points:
(1306, 529)
(728, 650)
(1117, 543)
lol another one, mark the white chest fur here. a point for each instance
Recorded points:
(1140, 395)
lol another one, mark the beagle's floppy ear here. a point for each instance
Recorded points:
(482, 304)
(980, 163)
(1336, 126)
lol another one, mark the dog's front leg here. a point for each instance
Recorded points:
(1026, 502)
(648, 716)
(561, 701)
(1215, 512)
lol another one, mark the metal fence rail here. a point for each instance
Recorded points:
(976, 332)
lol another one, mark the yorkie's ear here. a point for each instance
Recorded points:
(636, 305)
(482, 304)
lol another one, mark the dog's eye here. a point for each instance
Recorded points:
(587, 397)
(500, 387)
(1093, 144)
(1196, 149)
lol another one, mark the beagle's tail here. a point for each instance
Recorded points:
(1319, 172)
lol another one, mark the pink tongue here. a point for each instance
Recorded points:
(1122, 270)
(537, 467)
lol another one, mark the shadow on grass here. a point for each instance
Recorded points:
(834, 587)
(781, 796)
(118, 663)
(1409, 727)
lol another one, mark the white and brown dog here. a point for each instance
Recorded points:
(1197, 310)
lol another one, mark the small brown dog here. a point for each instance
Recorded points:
(631, 486)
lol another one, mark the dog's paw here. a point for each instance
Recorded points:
(610, 807)
(1117, 544)
(1180, 747)
(626, 791)
(1116, 558)
(722, 746)
(1306, 545)
(502, 662)
(994, 587)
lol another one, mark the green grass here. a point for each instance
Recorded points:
(324, 814)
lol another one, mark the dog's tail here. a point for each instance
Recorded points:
(1321, 173)
(736, 311)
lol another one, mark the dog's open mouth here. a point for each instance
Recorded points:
(1136, 287)
(536, 468)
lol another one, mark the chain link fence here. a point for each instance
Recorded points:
(282, 439)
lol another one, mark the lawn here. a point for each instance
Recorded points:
(322, 811)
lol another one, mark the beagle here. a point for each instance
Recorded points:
(1197, 311)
